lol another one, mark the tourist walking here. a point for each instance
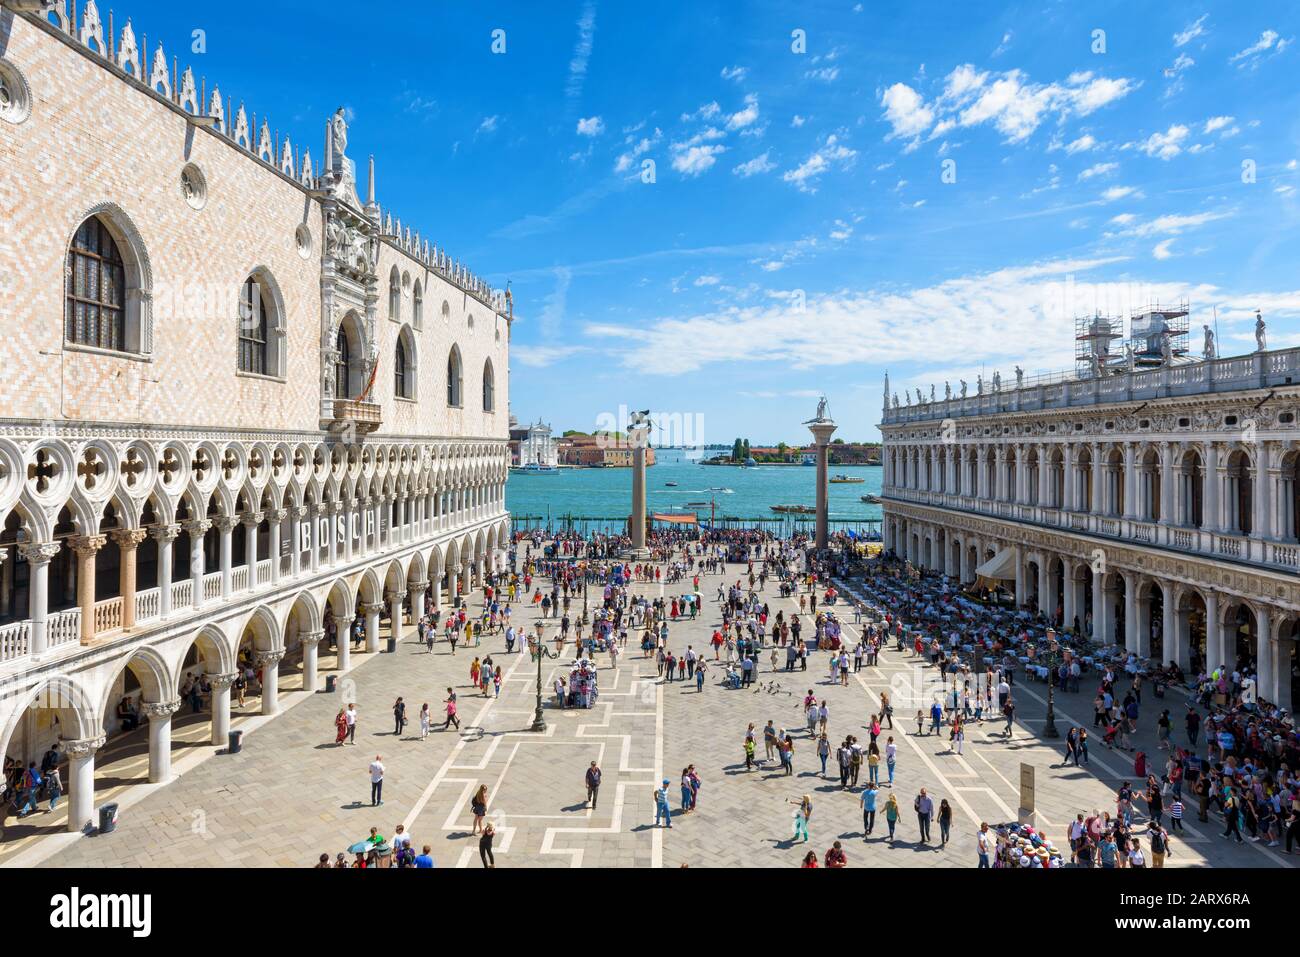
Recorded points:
(891, 815)
(399, 716)
(593, 784)
(351, 715)
(478, 806)
(924, 807)
(376, 781)
(485, 847)
(802, 812)
(868, 802)
(425, 721)
(662, 811)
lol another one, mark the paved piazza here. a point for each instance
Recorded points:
(291, 794)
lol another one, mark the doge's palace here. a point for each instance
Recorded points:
(244, 406)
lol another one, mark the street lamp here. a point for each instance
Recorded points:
(539, 722)
(1049, 727)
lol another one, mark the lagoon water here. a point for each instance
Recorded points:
(741, 493)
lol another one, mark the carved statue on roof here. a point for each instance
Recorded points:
(963, 387)
(1261, 340)
(344, 169)
(1209, 351)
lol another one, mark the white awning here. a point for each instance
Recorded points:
(1001, 567)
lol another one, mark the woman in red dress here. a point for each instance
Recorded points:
(340, 728)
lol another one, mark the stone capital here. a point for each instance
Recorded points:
(163, 534)
(397, 596)
(84, 747)
(252, 519)
(39, 553)
(311, 637)
(160, 709)
(128, 538)
(197, 527)
(277, 515)
(226, 523)
(85, 545)
(297, 511)
(221, 682)
(265, 658)
(372, 607)
(419, 586)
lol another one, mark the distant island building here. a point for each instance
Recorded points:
(841, 453)
(532, 445)
(601, 450)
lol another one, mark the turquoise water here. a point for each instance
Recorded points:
(740, 493)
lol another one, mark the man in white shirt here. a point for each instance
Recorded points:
(984, 842)
(376, 782)
(350, 716)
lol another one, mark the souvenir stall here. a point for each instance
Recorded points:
(582, 685)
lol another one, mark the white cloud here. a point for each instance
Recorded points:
(1172, 224)
(1165, 145)
(906, 111)
(707, 280)
(1268, 40)
(1098, 169)
(1118, 192)
(539, 357)
(826, 74)
(842, 230)
(1002, 47)
(966, 321)
(1013, 104)
(581, 50)
(797, 121)
(736, 73)
(1161, 250)
(743, 118)
(1123, 219)
(1191, 31)
(591, 126)
(708, 111)
(761, 163)
(806, 174)
(1085, 142)
(488, 125)
(636, 148)
(694, 160)
(1217, 123)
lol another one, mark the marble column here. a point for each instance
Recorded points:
(160, 738)
(310, 660)
(1265, 662)
(822, 429)
(220, 706)
(38, 556)
(296, 514)
(276, 517)
(1131, 625)
(1100, 619)
(86, 547)
(435, 582)
(1068, 610)
(1214, 656)
(196, 530)
(164, 536)
(395, 600)
(418, 591)
(252, 521)
(372, 610)
(226, 526)
(269, 662)
(128, 540)
(343, 647)
(81, 781)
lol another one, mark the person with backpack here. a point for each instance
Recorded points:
(399, 716)
(1009, 712)
(28, 788)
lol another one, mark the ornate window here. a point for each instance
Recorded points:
(395, 295)
(400, 384)
(453, 378)
(253, 312)
(96, 289)
(342, 364)
(417, 305)
(489, 388)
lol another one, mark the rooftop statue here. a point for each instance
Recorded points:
(1261, 340)
(1208, 351)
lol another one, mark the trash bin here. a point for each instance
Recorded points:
(330, 683)
(107, 818)
(236, 742)
(392, 645)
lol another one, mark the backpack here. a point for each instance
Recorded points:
(1157, 842)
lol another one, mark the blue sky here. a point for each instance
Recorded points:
(933, 188)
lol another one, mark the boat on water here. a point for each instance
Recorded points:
(846, 479)
(872, 499)
(670, 484)
(535, 468)
(794, 509)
